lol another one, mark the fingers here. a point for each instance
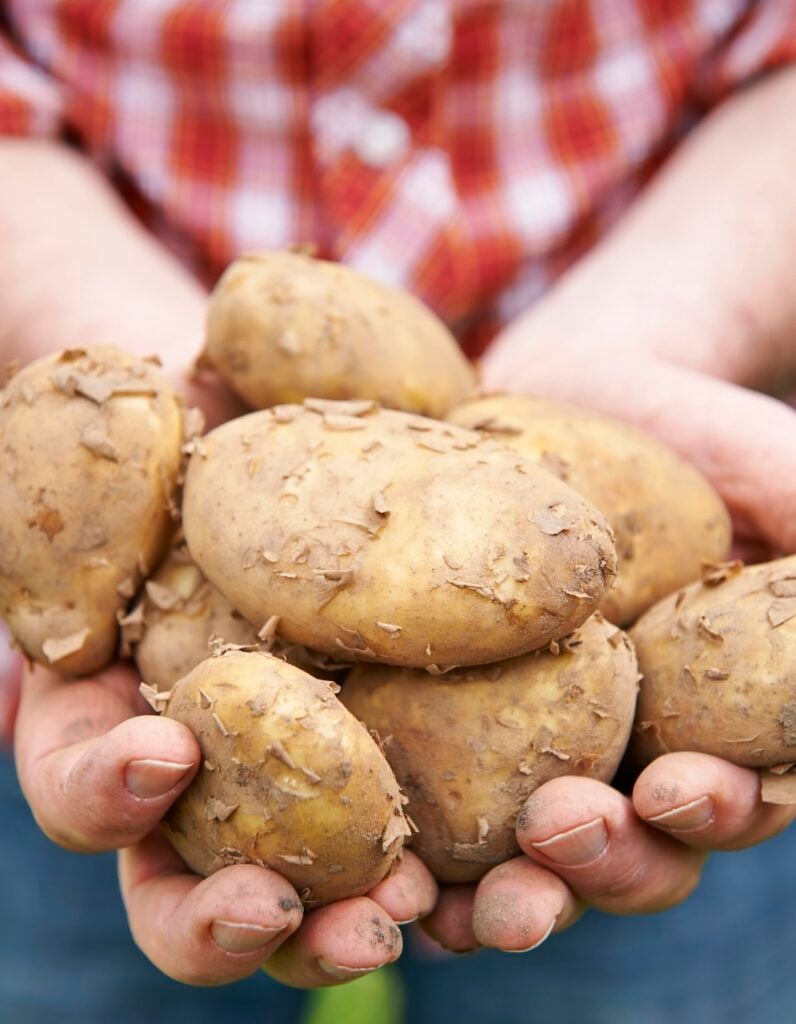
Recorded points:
(707, 803)
(451, 921)
(204, 931)
(337, 944)
(409, 892)
(590, 836)
(95, 778)
(519, 904)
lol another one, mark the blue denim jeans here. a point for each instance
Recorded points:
(726, 957)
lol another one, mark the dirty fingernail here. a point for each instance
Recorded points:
(538, 942)
(578, 846)
(235, 937)
(688, 818)
(340, 973)
(149, 778)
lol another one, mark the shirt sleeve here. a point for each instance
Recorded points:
(29, 101)
(762, 40)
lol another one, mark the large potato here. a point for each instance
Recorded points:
(469, 747)
(283, 326)
(719, 667)
(667, 518)
(386, 536)
(290, 779)
(89, 458)
(180, 614)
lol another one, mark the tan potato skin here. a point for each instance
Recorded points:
(666, 517)
(176, 639)
(469, 747)
(85, 488)
(281, 514)
(301, 785)
(283, 326)
(732, 694)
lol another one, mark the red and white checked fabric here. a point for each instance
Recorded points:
(468, 150)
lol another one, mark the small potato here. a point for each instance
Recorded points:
(379, 535)
(469, 747)
(90, 451)
(719, 667)
(290, 779)
(179, 615)
(666, 517)
(283, 327)
(182, 617)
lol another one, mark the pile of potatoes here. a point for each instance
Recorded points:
(387, 607)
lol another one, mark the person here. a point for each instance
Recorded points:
(598, 198)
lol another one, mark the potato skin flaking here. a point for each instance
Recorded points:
(282, 327)
(666, 517)
(470, 746)
(90, 452)
(719, 666)
(290, 780)
(366, 525)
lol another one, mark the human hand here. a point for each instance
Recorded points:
(99, 772)
(584, 843)
(587, 845)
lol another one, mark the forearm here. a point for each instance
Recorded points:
(700, 269)
(76, 267)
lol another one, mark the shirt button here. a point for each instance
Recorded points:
(384, 139)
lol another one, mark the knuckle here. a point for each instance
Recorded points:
(625, 884)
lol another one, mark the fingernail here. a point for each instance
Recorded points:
(578, 846)
(149, 778)
(242, 938)
(538, 942)
(340, 973)
(409, 920)
(689, 818)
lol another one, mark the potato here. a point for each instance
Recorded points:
(290, 779)
(719, 667)
(469, 747)
(182, 617)
(283, 326)
(379, 535)
(179, 615)
(90, 451)
(667, 518)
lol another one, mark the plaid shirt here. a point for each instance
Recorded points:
(468, 150)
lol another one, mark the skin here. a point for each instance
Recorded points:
(700, 317)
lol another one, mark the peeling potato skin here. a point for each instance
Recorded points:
(469, 747)
(85, 488)
(174, 640)
(283, 326)
(398, 539)
(719, 676)
(336, 814)
(666, 517)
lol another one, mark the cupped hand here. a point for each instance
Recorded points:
(586, 845)
(99, 772)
